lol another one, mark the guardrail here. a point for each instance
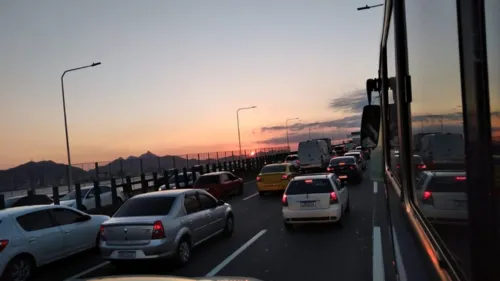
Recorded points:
(245, 168)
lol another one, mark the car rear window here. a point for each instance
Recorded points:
(345, 160)
(273, 169)
(309, 186)
(210, 179)
(146, 206)
(291, 158)
(354, 155)
(447, 184)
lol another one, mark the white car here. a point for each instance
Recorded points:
(293, 159)
(182, 184)
(443, 196)
(88, 197)
(33, 236)
(318, 198)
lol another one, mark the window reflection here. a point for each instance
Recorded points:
(393, 120)
(437, 123)
(492, 8)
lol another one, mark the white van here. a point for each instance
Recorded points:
(446, 151)
(313, 155)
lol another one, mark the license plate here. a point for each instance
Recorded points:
(126, 254)
(461, 204)
(307, 204)
(343, 177)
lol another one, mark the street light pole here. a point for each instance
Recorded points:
(238, 122)
(66, 120)
(369, 7)
(286, 128)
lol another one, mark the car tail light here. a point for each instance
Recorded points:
(398, 166)
(101, 231)
(333, 198)
(427, 198)
(3, 244)
(298, 162)
(329, 169)
(352, 167)
(461, 178)
(284, 200)
(284, 177)
(422, 166)
(258, 179)
(158, 231)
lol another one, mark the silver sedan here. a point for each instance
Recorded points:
(165, 224)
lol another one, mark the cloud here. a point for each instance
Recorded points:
(346, 122)
(293, 138)
(351, 102)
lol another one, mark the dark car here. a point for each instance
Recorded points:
(418, 165)
(220, 184)
(346, 168)
(26, 200)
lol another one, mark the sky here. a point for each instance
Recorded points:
(174, 73)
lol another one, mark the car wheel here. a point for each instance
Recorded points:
(262, 193)
(19, 268)
(229, 227)
(183, 252)
(240, 190)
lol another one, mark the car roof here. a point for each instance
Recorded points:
(353, 152)
(215, 173)
(444, 172)
(278, 164)
(313, 176)
(165, 193)
(344, 157)
(26, 209)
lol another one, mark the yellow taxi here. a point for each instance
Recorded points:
(275, 177)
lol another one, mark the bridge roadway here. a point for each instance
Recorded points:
(261, 248)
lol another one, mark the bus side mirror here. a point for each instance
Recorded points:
(370, 126)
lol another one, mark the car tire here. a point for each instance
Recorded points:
(240, 189)
(262, 193)
(25, 261)
(183, 253)
(229, 226)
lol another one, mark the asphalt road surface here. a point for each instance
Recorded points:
(261, 248)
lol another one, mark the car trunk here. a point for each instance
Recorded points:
(271, 178)
(448, 193)
(129, 230)
(309, 201)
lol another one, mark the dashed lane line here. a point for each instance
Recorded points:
(250, 196)
(378, 257)
(87, 271)
(225, 262)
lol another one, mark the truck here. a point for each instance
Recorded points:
(328, 143)
(356, 138)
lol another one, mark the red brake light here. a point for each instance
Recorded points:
(352, 167)
(298, 162)
(422, 166)
(329, 169)
(333, 198)
(397, 166)
(3, 244)
(258, 178)
(284, 177)
(461, 178)
(101, 231)
(427, 197)
(284, 200)
(158, 231)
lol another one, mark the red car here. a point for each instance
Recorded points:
(220, 184)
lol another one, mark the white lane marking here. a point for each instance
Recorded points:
(375, 187)
(225, 262)
(85, 272)
(399, 257)
(378, 257)
(250, 196)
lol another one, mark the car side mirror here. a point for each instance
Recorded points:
(370, 126)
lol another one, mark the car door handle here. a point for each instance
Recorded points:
(67, 231)
(31, 240)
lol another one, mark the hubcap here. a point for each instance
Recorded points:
(230, 225)
(184, 251)
(21, 271)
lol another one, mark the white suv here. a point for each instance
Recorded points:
(317, 198)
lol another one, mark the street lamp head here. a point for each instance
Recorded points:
(95, 64)
(253, 106)
(364, 8)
